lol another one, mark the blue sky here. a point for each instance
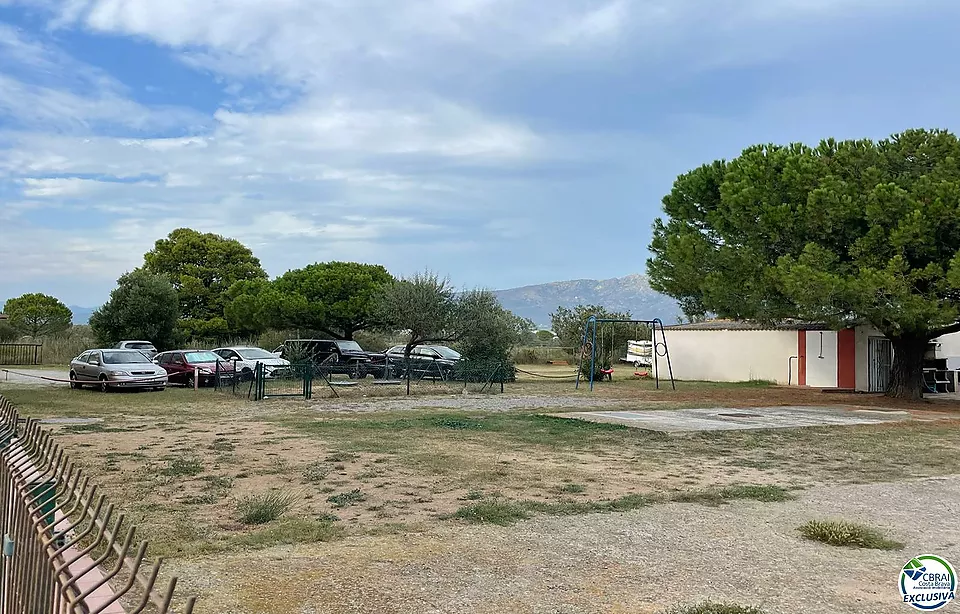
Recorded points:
(502, 142)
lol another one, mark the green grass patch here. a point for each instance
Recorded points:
(714, 608)
(507, 512)
(291, 531)
(501, 513)
(718, 496)
(847, 534)
(346, 499)
(571, 489)
(179, 467)
(263, 508)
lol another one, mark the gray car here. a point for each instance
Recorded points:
(110, 369)
(144, 346)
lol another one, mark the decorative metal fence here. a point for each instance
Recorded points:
(21, 353)
(65, 549)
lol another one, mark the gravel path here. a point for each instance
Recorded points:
(31, 377)
(483, 403)
(637, 562)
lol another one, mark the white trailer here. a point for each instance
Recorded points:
(639, 353)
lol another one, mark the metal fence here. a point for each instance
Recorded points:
(304, 380)
(65, 549)
(21, 353)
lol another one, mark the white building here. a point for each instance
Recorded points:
(800, 354)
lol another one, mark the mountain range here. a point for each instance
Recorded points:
(631, 294)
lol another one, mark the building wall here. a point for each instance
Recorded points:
(732, 355)
(950, 349)
(821, 358)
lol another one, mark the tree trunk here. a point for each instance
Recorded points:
(906, 377)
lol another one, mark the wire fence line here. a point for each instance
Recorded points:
(65, 549)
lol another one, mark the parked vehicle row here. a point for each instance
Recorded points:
(137, 364)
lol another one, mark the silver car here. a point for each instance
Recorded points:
(144, 346)
(110, 369)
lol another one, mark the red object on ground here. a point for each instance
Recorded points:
(641, 374)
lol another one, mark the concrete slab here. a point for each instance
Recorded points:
(732, 419)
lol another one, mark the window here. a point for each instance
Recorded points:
(349, 346)
(195, 357)
(254, 354)
(94, 358)
(120, 357)
(176, 357)
(446, 352)
(164, 359)
(83, 357)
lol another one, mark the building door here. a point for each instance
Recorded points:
(881, 360)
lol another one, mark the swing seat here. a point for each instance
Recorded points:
(641, 374)
(607, 373)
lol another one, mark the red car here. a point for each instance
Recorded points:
(182, 365)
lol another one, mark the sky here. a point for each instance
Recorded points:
(500, 142)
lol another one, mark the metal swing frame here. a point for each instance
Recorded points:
(590, 332)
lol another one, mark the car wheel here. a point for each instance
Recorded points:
(74, 384)
(190, 381)
(104, 386)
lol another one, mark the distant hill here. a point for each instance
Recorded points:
(81, 315)
(631, 293)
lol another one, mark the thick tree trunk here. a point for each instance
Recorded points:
(906, 377)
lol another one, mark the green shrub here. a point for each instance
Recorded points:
(502, 513)
(847, 534)
(346, 499)
(182, 467)
(264, 508)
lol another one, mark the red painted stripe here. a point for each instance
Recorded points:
(802, 360)
(847, 359)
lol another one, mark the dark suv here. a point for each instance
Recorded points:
(345, 357)
(426, 361)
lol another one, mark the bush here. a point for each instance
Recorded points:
(7, 332)
(847, 534)
(264, 508)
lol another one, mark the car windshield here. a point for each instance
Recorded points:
(201, 357)
(124, 358)
(446, 352)
(254, 354)
(141, 346)
(349, 346)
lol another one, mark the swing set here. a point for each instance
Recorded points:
(588, 347)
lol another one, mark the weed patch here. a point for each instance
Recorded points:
(719, 496)
(847, 534)
(263, 508)
(347, 499)
(182, 467)
(714, 608)
(291, 531)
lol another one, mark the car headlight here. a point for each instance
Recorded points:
(117, 373)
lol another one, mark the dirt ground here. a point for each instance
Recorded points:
(392, 500)
(637, 562)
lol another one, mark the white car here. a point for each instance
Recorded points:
(144, 346)
(246, 359)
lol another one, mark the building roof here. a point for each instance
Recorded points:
(749, 325)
